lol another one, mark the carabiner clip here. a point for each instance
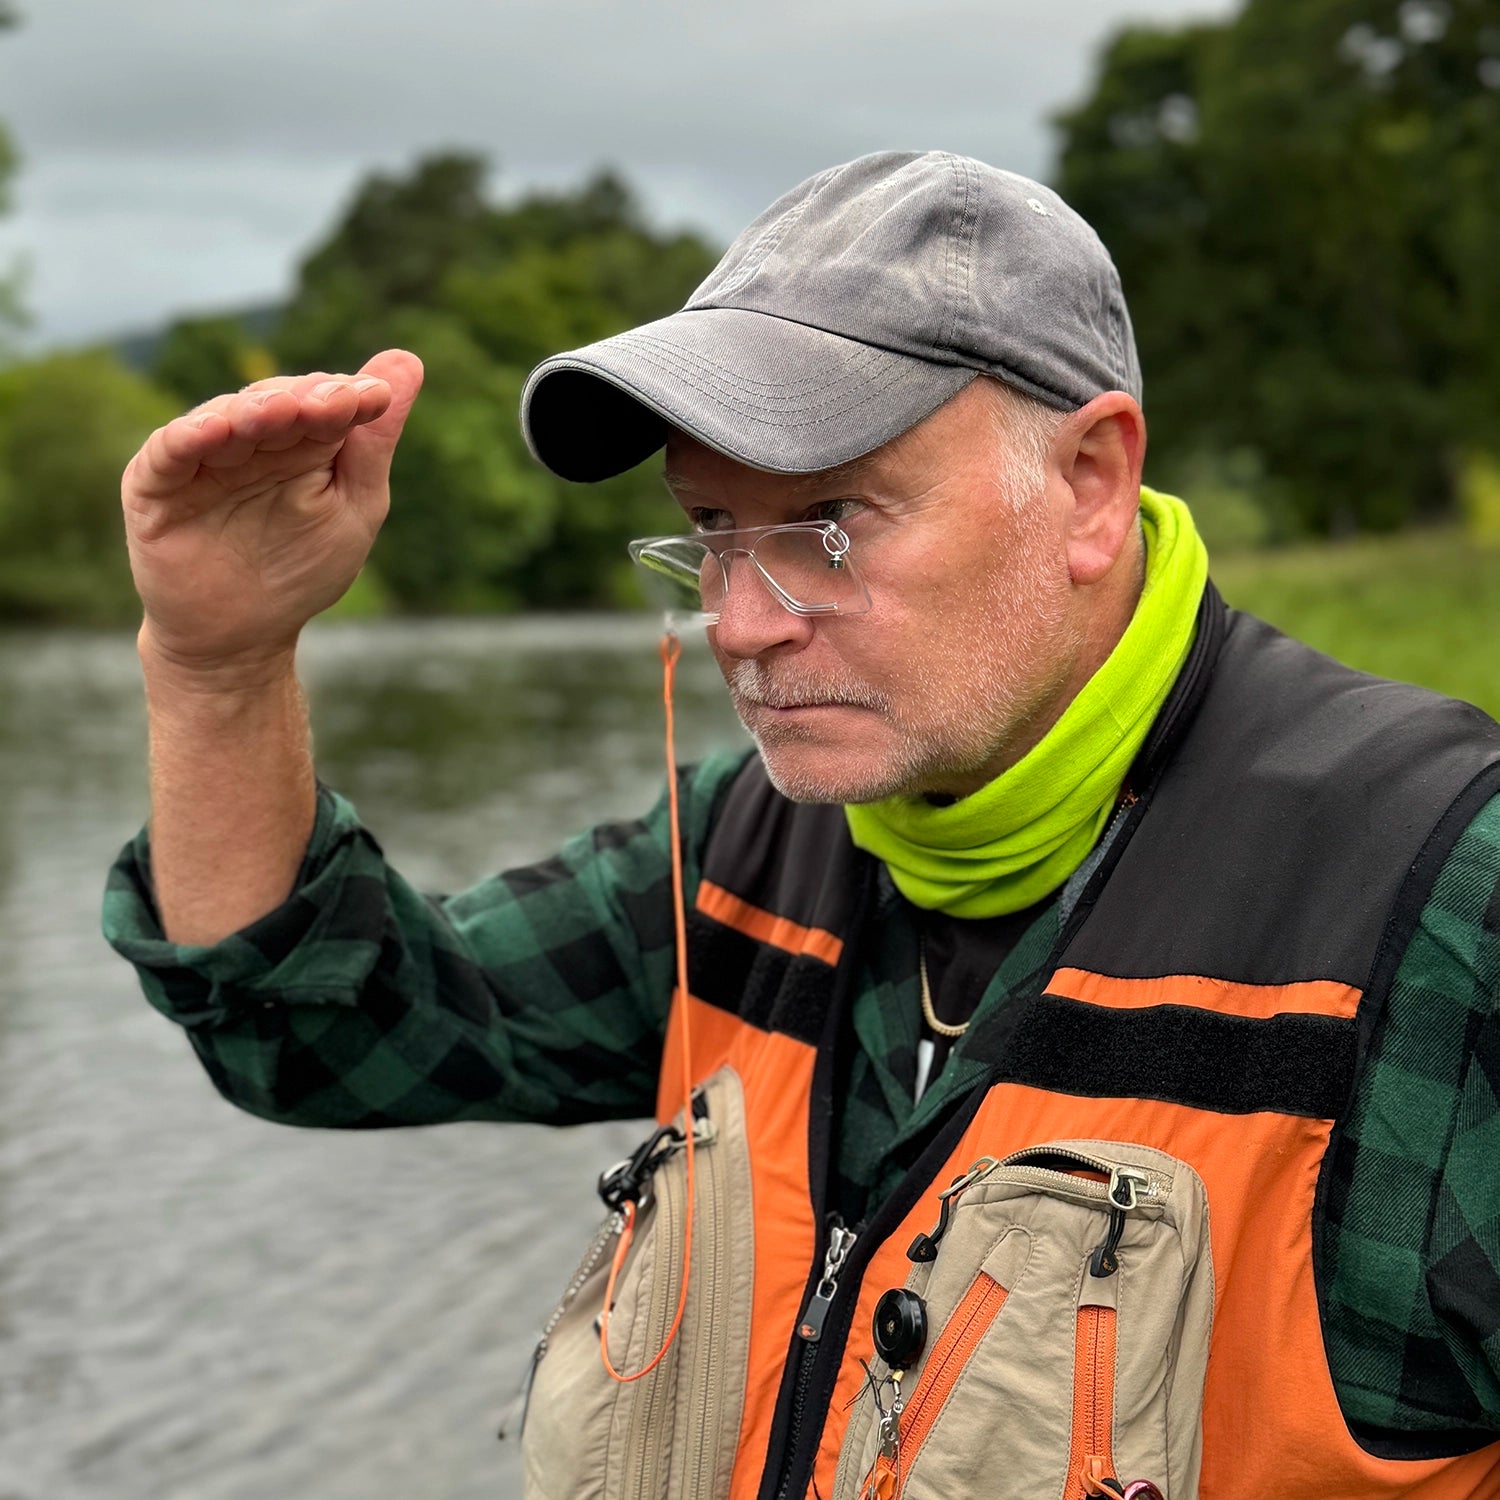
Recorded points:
(625, 1181)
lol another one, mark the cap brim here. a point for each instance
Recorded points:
(767, 392)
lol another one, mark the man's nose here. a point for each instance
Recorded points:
(752, 620)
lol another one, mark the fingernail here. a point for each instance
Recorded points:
(368, 383)
(197, 421)
(259, 398)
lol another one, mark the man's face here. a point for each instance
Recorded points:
(967, 653)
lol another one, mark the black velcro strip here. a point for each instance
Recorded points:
(1292, 1064)
(763, 985)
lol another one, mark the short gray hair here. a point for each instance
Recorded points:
(1023, 429)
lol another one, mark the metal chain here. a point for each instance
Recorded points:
(940, 1028)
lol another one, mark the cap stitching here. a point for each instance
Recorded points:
(775, 390)
(958, 255)
(1016, 376)
(869, 394)
(721, 394)
(944, 332)
(1012, 372)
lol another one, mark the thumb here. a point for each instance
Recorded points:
(365, 460)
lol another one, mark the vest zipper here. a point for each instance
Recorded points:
(707, 1298)
(1117, 1187)
(649, 1438)
(513, 1419)
(810, 1331)
(813, 1365)
(1091, 1452)
(961, 1336)
(784, 1456)
(815, 1314)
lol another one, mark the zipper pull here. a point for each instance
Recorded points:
(1123, 1185)
(815, 1314)
(924, 1247)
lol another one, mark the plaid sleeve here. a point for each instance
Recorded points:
(539, 994)
(1412, 1247)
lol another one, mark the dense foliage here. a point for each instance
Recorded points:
(482, 292)
(68, 425)
(1304, 203)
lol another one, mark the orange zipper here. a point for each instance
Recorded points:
(1091, 1457)
(961, 1335)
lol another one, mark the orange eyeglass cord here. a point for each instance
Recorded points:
(671, 649)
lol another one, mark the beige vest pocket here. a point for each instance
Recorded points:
(670, 1435)
(1069, 1302)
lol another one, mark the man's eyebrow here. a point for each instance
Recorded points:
(820, 482)
(679, 483)
(845, 476)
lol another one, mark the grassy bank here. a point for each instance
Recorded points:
(1422, 606)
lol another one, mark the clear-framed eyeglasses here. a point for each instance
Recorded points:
(805, 565)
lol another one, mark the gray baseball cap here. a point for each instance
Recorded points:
(851, 309)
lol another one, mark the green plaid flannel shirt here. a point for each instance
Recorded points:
(540, 995)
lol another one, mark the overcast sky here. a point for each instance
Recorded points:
(182, 156)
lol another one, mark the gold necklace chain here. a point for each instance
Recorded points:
(940, 1028)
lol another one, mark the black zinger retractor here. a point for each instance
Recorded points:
(900, 1327)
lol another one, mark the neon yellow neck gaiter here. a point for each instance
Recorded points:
(1020, 837)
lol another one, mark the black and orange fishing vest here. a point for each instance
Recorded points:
(1212, 988)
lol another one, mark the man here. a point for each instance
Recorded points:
(1048, 864)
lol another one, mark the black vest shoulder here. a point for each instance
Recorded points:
(1284, 818)
(1289, 815)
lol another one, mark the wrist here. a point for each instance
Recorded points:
(257, 673)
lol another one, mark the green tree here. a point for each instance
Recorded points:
(202, 357)
(1303, 203)
(68, 425)
(482, 291)
(544, 297)
(469, 508)
(392, 248)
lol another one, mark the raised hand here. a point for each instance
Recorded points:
(252, 513)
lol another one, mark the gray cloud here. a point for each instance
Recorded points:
(179, 155)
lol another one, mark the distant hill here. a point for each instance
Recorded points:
(138, 350)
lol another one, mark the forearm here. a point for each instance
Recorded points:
(364, 1003)
(537, 994)
(233, 796)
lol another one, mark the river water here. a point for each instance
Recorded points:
(197, 1305)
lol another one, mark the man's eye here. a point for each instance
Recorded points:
(704, 519)
(835, 510)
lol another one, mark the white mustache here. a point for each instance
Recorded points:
(750, 683)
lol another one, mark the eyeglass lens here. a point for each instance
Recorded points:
(801, 564)
(805, 567)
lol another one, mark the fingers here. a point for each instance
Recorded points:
(318, 409)
(365, 460)
(270, 416)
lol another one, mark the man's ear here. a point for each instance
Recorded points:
(1099, 453)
